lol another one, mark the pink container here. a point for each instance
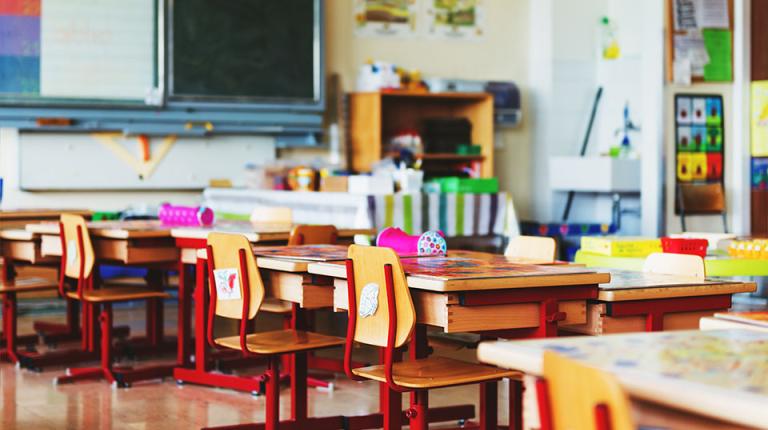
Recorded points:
(428, 243)
(185, 215)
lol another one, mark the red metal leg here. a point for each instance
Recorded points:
(419, 413)
(272, 393)
(602, 417)
(299, 387)
(655, 310)
(9, 326)
(545, 408)
(184, 322)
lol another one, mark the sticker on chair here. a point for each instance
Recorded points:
(227, 284)
(71, 252)
(369, 300)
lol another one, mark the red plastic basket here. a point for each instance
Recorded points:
(685, 246)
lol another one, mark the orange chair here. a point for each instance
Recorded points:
(232, 270)
(381, 314)
(78, 263)
(574, 396)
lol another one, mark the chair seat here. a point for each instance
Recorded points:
(119, 294)
(276, 306)
(436, 372)
(281, 342)
(27, 284)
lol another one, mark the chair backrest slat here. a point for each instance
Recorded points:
(372, 326)
(313, 235)
(227, 274)
(576, 391)
(69, 227)
(532, 247)
(691, 266)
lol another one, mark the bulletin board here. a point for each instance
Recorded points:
(699, 139)
(700, 40)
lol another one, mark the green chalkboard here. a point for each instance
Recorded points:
(258, 51)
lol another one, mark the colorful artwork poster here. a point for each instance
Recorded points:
(760, 173)
(455, 19)
(19, 47)
(759, 119)
(385, 17)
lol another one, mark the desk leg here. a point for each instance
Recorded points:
(516, 404)
(9, 326)
(201, 319)
(184, 321)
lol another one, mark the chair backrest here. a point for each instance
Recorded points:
(373, 314)
(701, 198)
(313, 235)
(72, 254)
(691, 266)
(532, 247)
(272, 215)
(577, 391)
(228, 277)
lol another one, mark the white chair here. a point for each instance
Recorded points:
(272, 215)
(691, 266)
(541, 249)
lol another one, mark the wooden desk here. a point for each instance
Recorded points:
(24, 246)
(489, 294)
(715, 265)
(719, 375)
(127, 242)
(637, 301)
(18, 218)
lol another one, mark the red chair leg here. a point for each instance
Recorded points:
(419, 411)
(489, 405)
(602, 417)
(272, 393)
(9, 326)
(299, 388)
(105, 370)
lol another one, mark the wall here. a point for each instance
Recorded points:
(501, 55)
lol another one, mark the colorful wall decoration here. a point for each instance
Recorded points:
(699, 139)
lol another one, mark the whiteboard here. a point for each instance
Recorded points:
(101, 49)
(68, 161)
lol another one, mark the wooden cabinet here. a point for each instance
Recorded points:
(375, 117)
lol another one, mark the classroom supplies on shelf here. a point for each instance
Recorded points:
(713, 239)
(756, 249)
(428, 243)
(620, 246)
(185, 215)
(467, 185)
(676, 245)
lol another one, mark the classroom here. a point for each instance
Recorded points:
(383, 214)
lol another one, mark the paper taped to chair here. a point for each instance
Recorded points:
(227, 284)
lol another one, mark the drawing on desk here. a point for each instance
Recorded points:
(733, 359)
(447, 268)
(304, 252)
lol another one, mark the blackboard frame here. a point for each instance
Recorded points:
(185, 101)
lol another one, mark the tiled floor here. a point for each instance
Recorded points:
(30, 401)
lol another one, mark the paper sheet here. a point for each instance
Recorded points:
(699, 14)
(691, 47)
(718, 43)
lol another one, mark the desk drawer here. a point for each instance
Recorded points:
(598, 323)
(298, 288)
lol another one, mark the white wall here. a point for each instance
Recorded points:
(565, 71)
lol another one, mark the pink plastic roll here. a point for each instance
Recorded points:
(185, 215)
(428, 243)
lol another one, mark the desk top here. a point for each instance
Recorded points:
(715, 265)
(17, 234)
(14, 214)
(255, 232)
(133, 229)
(459, 273)
(720, 373)
(628, 285)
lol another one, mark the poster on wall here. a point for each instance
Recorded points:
(385, 17)
(759, 119)
(455, 19)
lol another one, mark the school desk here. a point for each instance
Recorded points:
(716, 378)
(18, 218)
(755, 320)
(133, 243)
(719, 266)
(637, 301)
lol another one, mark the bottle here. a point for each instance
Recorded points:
(609, 42)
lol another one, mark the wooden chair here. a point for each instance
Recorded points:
(691, 266)
(702, 199)
(574, 396)
(313, 235)
(381, 314)
(543, 249)
(78, 263)
(231, 260)
(272, 215)
(10, 286)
